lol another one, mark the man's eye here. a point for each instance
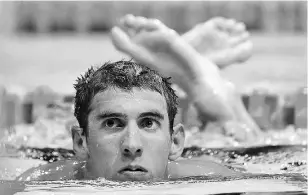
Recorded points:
(148, 123)
(113, 123)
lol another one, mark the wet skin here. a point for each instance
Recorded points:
(128, 139)
(128, 129)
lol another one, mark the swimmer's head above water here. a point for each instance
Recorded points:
(126, 113)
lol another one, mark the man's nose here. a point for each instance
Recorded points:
(132, 146)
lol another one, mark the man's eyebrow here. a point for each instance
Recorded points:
(152, 113)
(108, 114)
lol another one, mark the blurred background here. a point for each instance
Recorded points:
(44, 46)
(51, 43)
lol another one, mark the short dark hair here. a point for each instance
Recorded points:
(124, 75)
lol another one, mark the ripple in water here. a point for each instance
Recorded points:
(278, 184)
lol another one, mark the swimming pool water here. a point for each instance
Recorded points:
(257, 184)
(265, 168)
(275, 166)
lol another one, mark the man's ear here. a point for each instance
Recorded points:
(79, 143)
(177, 142)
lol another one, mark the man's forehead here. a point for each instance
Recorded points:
(115, 97)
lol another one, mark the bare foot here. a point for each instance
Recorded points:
(133, 30)
(161, 48)
(223, 41)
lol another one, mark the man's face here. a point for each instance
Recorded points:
(129, 136)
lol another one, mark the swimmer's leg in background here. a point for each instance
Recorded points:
(223, 41)
(161, 48)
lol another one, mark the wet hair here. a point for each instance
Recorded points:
(124, 75)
